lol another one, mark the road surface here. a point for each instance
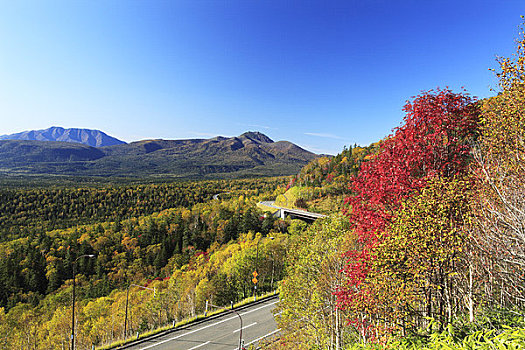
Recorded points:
(270, 204)
(220, 333)
(297, 213)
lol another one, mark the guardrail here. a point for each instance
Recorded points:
(191, 322)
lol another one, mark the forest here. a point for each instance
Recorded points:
(175, 236)
(429, 251)
(423, 249)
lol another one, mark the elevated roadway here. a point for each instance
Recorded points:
(293, 213)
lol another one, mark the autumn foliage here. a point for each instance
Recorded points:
(500, 174)
(435, 251)
(433, 143)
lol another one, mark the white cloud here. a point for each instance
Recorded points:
(329, 136)
(203, 134)
(316, 149)
(257, 126)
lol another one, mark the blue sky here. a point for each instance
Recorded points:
(322, 74)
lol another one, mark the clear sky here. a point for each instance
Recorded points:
(322, 74)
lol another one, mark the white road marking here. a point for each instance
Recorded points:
(264, 336)
(253, 324)
(198, 346)
(208, 326)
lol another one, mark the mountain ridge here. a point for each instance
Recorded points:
(90, 137)
(249, 154)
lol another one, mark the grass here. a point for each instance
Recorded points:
(327, 204)
(509, 339)
(184, 322)
(288, 199)
(499, 329)
(266, 208)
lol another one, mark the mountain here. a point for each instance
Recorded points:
(93, 138)
(250, 154)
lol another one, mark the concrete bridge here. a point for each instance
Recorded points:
(293, 213)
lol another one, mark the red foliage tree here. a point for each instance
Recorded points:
(435, 140)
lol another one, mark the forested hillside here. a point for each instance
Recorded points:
(248, 155)
(175, 237)
(423, 248)
(429, 254)
(24, 211)
(322, 185)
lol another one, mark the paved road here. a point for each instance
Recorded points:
(297, 212)
(270, 204)
(216, 196)
(220, 333)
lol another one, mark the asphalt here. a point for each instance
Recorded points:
(220, 333)
(297, 212)
(270, 204)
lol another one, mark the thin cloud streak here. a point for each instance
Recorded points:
(328, 136)
(257, 126)
(206, 134)
(316, 149)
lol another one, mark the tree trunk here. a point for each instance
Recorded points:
(470, 298)
(337, 330)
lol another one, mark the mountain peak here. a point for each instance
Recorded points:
(256, 136)
(250, 154)
(94, 138)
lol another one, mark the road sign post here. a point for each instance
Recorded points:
(254, 280)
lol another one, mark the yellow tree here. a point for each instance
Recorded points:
(55, 331)
(95, 327)
(501, 174)
(309, 313)
(419, 268)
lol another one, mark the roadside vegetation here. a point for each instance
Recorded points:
(196, 249)
(433, 254)
(423, 249)
(322, 185)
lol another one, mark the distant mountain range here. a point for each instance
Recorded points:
(250, 154)
(93, 138)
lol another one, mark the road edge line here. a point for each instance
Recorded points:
(192, 323)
